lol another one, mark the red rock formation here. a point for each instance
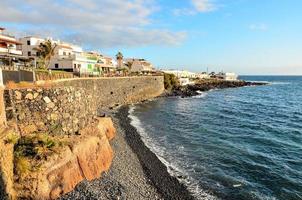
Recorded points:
(86, 157)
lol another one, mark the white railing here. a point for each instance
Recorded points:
(14, 51)
(3, 50)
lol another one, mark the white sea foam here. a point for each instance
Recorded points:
(200, 95)
(173, 169)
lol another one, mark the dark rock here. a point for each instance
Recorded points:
(193, 90)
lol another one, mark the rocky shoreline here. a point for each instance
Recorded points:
(206, 85)
(167, 186)
(136, 172)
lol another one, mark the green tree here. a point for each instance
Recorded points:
(46, 50)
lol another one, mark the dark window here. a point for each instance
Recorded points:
(29, 53)
(56, 65)
(75, 66)
(38, 54)
(28, 42)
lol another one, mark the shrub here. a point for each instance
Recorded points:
(11, 138)
(22, 166)
(170, 81)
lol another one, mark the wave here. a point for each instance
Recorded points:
(173, 168)
(200, 95)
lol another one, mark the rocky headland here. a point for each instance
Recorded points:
(206, 85)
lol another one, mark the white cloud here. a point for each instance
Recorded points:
(97, 23)
(204, 5)
(197, 6)
(258, 27)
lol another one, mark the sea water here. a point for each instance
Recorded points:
(237, 143)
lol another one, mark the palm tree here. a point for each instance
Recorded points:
(119, 57)
(46, 50)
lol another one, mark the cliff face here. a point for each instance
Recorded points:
(6, 166)
(83, 156)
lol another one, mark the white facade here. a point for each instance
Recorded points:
(139, 65)
(67, 56)
(181, 73)
(9, 45)
(29, 44)
(228, 76)
(203, 76)
(185, 81)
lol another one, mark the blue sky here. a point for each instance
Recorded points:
(243, 36)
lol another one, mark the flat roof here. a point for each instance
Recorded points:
(10, 41)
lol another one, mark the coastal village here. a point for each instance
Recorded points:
(51, 56)
(58, 120)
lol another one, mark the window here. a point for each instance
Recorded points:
(38, 54)
(56, 65)
(79, 66)
(75, 66)
(28, 42)
(29, 53)
(64, 53)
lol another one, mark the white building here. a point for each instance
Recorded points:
(181, 73)
(29, 44)
(185, 81)
(203, 75)
(139, 65)
(106, 64)
(228, 76)
(67, 56)
(10, 47)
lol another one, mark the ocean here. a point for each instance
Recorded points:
(238, 143)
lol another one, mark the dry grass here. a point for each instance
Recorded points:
(22, 166)
(27, 85)
(31, 151)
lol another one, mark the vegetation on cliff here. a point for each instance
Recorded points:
(32, 150)
(170, 81)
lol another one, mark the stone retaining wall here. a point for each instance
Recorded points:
(69, 105)
(2, 111)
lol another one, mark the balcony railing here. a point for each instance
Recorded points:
(10, 51)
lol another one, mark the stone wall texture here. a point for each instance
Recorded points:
(69, 105)
(2, 110)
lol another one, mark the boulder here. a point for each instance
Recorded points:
(84, 157)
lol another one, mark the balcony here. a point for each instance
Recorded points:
(10, 51)
(78, 57)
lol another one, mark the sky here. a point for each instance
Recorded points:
(248, 37)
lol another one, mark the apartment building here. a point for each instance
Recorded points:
(10, 48)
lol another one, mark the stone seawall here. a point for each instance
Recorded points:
(2, 110)
(67, 106)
